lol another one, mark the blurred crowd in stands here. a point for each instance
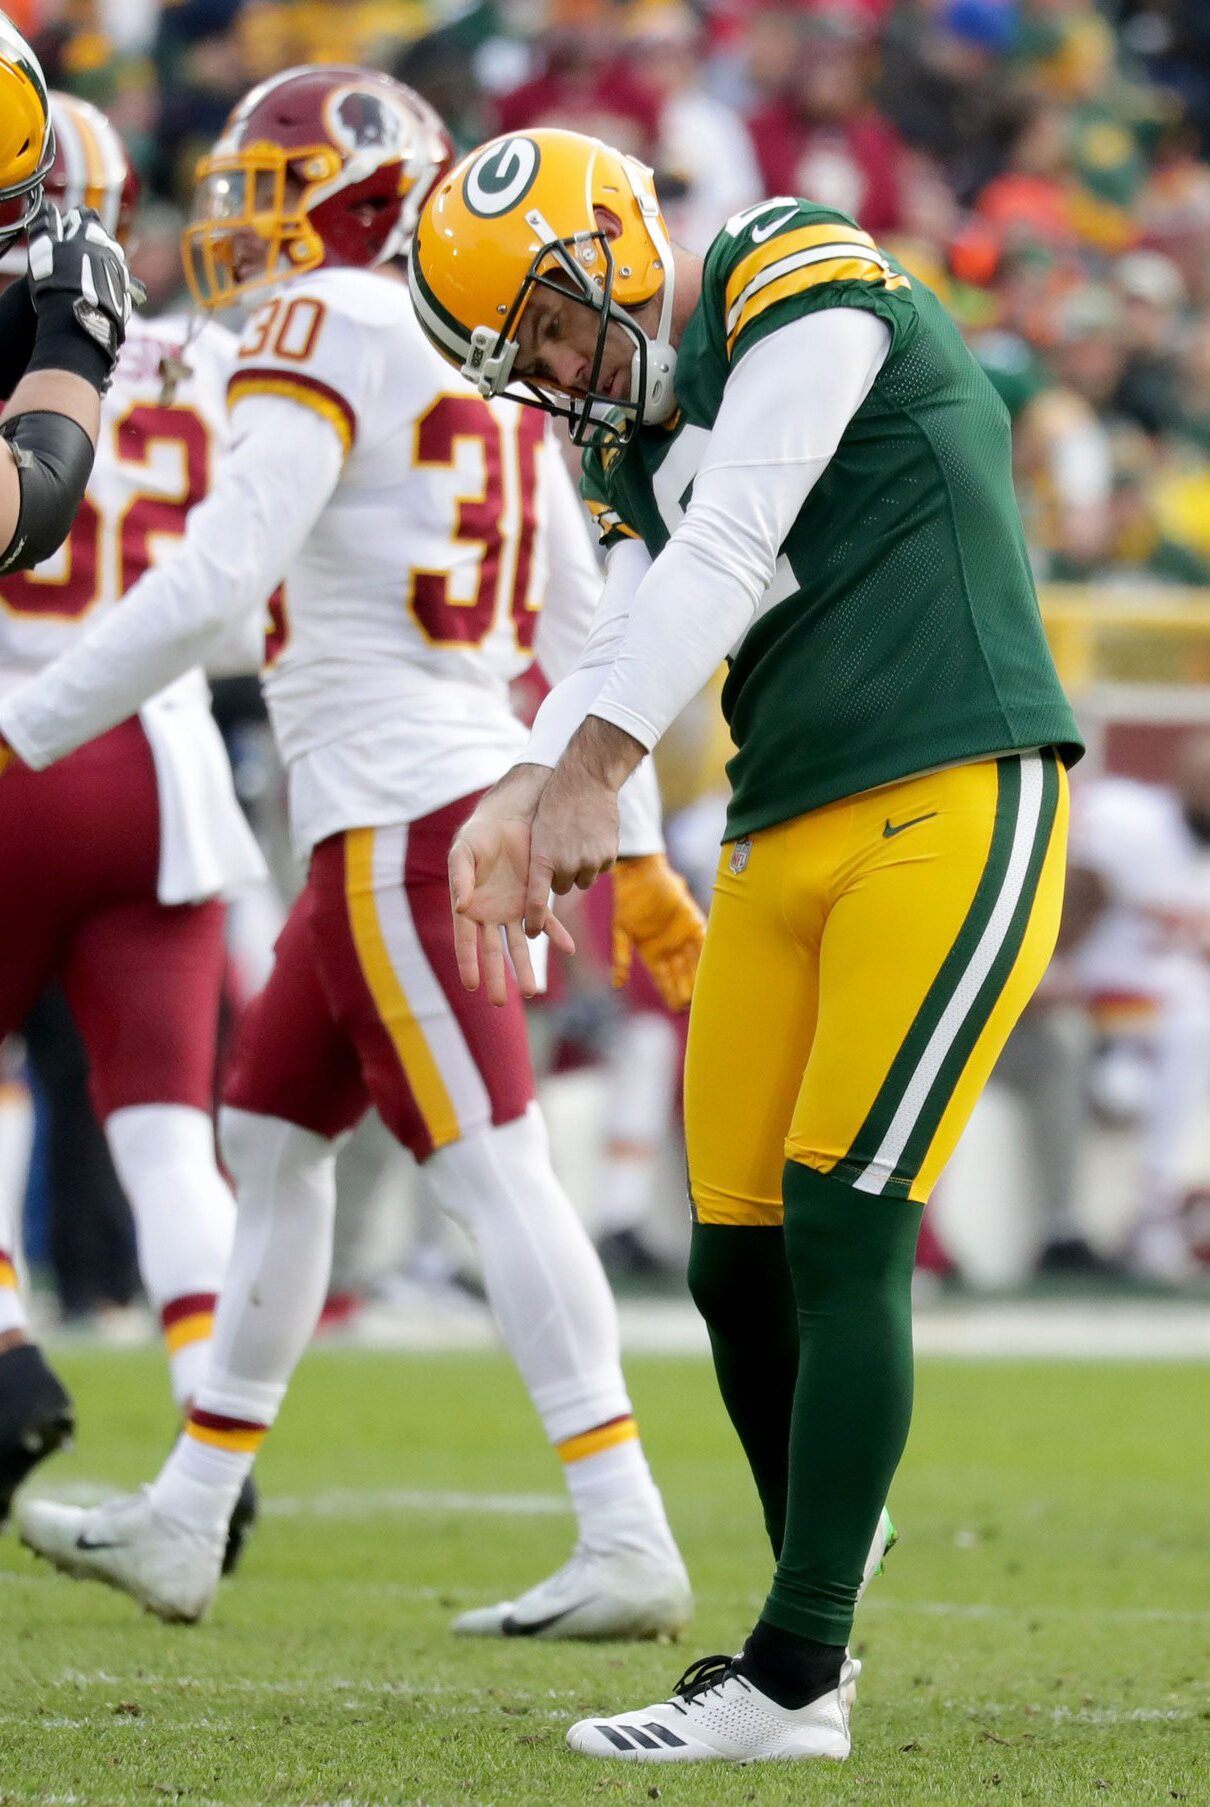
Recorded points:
(1045, 164)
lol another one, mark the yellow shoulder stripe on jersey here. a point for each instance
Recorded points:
(762, 295)
(608, 520)
(294, 387)
(788, 244)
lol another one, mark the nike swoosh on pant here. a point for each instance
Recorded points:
(899, 827)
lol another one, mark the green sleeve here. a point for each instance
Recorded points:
(596, 490)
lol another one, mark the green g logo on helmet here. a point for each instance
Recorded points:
(501, 177)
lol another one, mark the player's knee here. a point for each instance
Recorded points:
(258, 1150)
(490, 1165)
(839, 1237)
(719, 1272)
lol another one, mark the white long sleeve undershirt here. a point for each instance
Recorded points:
(665, 624)
(235, 550)
(569, 611)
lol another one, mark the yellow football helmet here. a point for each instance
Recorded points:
(27, 139)
(521, 213)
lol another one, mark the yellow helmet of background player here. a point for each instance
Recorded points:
(27, 139)
(526, 211)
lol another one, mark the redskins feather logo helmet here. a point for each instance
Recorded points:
(27, 139)
(323, 165)
(523, 213)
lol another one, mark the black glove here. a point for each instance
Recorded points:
(83, 292)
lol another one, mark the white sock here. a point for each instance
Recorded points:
(185, 1222)
(616, 1500)
(551, 1300)
(200, 1482)
(268, 1310)
(16, 1137)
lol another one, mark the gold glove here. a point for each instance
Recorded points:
(654, 911)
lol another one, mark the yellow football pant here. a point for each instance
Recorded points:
(864, 964)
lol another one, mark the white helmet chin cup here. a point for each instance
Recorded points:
(487, 368)
(659, 401)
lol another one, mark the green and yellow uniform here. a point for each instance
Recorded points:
(890, 884)
(908, 634)
(890, 889)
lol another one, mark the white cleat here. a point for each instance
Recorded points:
(716, 1714)
(169, 1568)
(620, 1593)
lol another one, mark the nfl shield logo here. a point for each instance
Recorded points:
(741, 853)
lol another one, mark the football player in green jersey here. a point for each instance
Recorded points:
(796, 465)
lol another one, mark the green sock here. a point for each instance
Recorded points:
(851, 1255)
(740, 1281)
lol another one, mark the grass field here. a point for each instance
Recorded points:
(1042, 1633)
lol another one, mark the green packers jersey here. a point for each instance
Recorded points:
(901, 631)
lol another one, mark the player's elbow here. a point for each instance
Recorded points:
(53, 458)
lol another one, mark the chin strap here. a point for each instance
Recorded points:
(659, 394)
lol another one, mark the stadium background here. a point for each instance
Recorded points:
(1042, 1635)
(1045, 164)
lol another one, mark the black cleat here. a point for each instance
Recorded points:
(36, 1417)
(247, 1506)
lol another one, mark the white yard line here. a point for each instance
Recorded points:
(349, 1502)
(535, 1700)
(1087, 1329)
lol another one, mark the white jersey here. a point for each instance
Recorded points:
(155, 453)
(431, 545)
(416, 597)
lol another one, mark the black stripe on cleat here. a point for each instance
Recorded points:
(665, 1735)
(614, 1736)
(648, 1744)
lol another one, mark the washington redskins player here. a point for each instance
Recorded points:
(432, 547)
(116, 859)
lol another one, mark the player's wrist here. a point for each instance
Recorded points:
(62, 344)
(601, 753)
(520, 790)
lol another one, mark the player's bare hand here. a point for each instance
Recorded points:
(574, 839)
(488, 869)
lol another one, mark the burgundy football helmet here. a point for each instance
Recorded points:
(321, 165)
